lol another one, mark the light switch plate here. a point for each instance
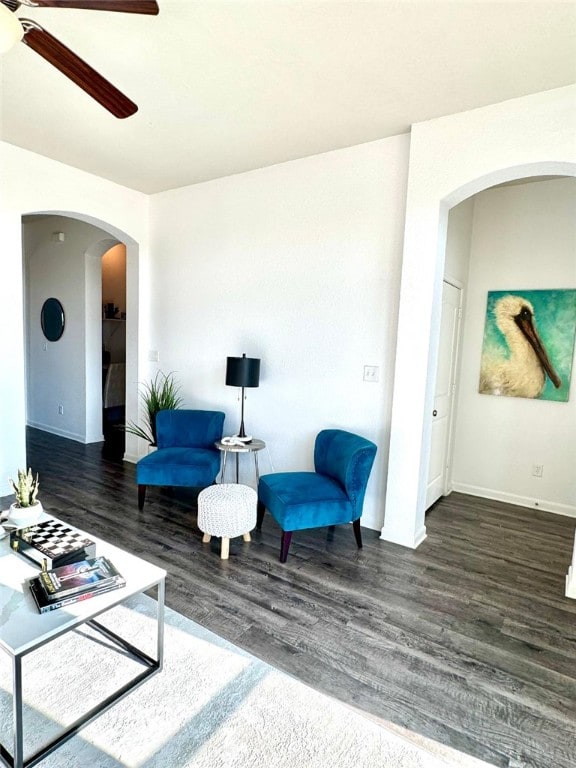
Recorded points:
(371, 373)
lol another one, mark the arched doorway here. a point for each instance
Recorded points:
(418, 337)
(87, 239)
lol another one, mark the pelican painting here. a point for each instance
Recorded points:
(515, 360)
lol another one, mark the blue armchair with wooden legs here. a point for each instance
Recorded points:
(331, 495)
(186, 454)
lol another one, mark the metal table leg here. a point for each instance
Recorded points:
(17, 712)
(151, 667)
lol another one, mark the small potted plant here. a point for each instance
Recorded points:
(162, 393)
(26, 509)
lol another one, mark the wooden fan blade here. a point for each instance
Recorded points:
(71, 65)
(149, 7)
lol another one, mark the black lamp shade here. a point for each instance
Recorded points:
(242, 371)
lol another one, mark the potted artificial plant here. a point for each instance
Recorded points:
(162, 393)
(26, 509)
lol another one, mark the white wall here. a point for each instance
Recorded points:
(114, 291)
(54, 376)
(458, 238)
(30, 184)
(451, 159)
(524, 237)
(298, 265)
(114, 277)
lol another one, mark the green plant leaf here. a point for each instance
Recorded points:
(26, 489)
(162, 393)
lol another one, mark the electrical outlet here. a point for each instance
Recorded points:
(61, 410)
(537, 470)
(371, 373)
(153, 356)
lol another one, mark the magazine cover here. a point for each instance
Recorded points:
(44, 605)
(87, 575)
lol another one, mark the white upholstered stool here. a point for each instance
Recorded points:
(227, 510)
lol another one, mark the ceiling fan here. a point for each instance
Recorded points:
(65, 60)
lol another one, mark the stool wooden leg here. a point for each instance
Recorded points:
(225, 548)
(246, 537)
(206, 538)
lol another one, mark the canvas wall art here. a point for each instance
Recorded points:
(528, 346)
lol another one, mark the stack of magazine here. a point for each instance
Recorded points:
(68, 584)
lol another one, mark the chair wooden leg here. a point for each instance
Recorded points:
(285, 545)
(260, 510)
(357, 533)
(141, 496)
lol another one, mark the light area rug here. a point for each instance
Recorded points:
(213, 705)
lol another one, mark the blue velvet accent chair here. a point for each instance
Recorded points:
(186, 455)
(331, 495)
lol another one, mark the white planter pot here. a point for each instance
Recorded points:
(22, 516)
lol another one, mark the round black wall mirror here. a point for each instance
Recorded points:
(52, 319)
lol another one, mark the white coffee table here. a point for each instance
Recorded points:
(23, 629)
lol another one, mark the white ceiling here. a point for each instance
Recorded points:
(226, 87)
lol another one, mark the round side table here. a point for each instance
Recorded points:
(252, 447)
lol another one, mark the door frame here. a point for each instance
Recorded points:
(447, 458)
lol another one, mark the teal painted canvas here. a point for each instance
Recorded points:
(528, 346)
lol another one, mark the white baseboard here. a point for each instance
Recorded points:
(129, 457)
(571, 583)
(399, 537)
(370, 520)
(521, 501)
(60, 432)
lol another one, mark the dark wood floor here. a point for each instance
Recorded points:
(467, 640)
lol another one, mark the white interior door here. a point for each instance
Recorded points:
(438, 470)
